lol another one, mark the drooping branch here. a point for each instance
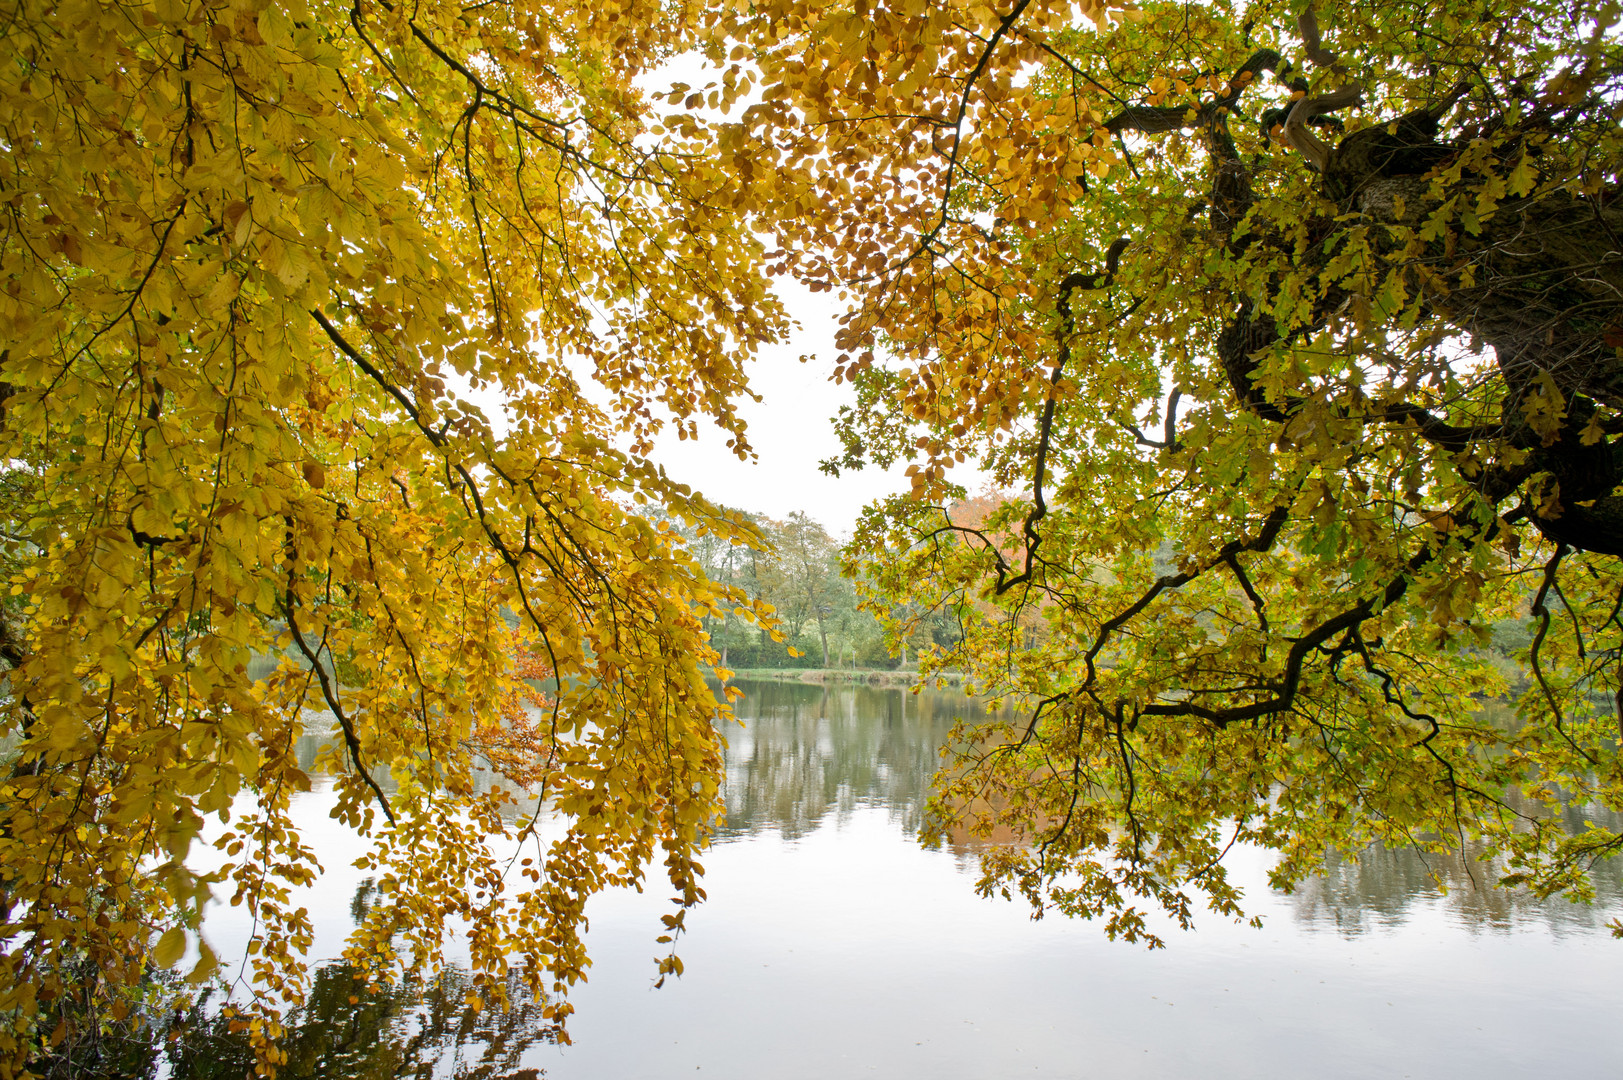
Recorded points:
(1039, 507)
(1169, 427)
(1262, 541)
(1257, 604)
(1534, 653)
(329, 693)
(1286, 687)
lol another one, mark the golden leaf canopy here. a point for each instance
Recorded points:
(1291, 339)
(261, 264)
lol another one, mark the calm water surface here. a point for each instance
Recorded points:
(833, 946)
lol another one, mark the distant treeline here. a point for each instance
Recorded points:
(800, 573)
(805, 574)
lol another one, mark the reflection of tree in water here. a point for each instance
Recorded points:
(346, 1032)
(807, 750)
(343, 1031)
(1382, 888)
(108, 1030)
(320, 731)
(410, 1030)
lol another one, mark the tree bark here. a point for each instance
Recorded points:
(1540, 282)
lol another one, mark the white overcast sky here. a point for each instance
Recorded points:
(790, 430)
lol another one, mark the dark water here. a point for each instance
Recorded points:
(832, 945)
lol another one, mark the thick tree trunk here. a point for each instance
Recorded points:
(1547, 298)
(1549, 289)
(1540, 282)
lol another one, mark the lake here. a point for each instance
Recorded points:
(832, 945)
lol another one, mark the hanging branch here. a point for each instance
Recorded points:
(329, 693)
(1066, 328)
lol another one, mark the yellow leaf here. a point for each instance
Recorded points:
(171, 946)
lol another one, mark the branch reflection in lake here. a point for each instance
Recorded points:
(808, 755)
(418, 1028)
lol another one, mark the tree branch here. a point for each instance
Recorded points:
(351, 741)
(1039, 507)
(1158, 119)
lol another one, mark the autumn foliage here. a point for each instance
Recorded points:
(1295, 330)
(258, 263)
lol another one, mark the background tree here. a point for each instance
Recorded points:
(997, 519)
(809, 568)
(849, 627)
(255, 261)
(1300, 331)
(796, 567)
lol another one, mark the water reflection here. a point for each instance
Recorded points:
(1382, 888)
(809, 755)
(832, 946)
(346, 1032)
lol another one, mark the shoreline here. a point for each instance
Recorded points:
(835, 676)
